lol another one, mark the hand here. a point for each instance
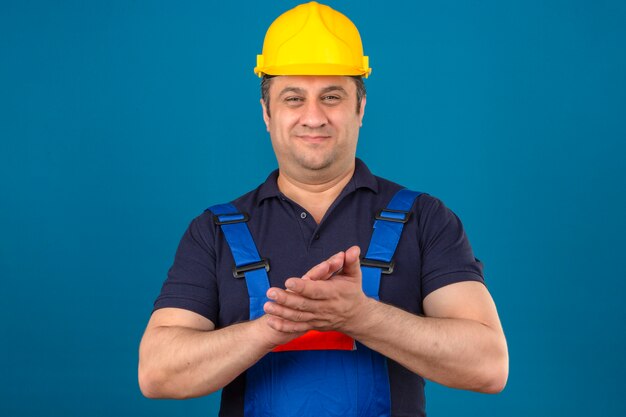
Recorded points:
(271, 336)
(328, 297)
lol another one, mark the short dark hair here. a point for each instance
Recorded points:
(266, 82)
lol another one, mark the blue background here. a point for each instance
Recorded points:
(122, 120)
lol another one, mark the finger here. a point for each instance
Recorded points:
(293, 298)
(326, 269)
(318, 272)
(352, 265)
(287, 326)
(287, 313)
(310, 289)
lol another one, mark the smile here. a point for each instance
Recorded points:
(313, 138)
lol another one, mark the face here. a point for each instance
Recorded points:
(313, 124)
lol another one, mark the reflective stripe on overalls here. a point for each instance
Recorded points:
(321, 373)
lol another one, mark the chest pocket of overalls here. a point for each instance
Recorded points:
(321, 373)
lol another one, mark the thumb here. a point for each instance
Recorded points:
(352, 264)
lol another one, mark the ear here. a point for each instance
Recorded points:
(266, 117)
(362, 111)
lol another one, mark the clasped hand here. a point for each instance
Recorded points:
(328, 297)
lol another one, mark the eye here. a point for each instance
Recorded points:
(331, 99)
(293, 99)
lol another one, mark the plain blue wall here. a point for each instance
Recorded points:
(122, 120)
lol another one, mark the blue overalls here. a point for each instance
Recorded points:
(321, 373)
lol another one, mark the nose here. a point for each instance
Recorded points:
(313, 115)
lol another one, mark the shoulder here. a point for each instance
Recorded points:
(428, 206)
(423, 203)
(249, 201)
(204, 224)
(431, 212)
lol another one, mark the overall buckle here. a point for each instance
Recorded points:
(398, 216)
(239, 271)
(385, 267)
(230, 218)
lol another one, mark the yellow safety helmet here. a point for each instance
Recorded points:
(312, 39)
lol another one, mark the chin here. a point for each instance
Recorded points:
(316, 165)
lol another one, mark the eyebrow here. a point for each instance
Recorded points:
(325, 90)
(334, 88)
(291, 90)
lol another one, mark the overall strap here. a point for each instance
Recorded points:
(387, 231)
(248, 263)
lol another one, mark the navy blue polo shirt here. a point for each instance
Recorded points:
(433, 252)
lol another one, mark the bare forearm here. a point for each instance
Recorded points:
(179, 362)
(459, 353)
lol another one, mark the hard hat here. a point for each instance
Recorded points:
(312, 39)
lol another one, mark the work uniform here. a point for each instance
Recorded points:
(433, 251)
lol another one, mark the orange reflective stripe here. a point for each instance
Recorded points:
(315, 340)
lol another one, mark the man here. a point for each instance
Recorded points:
(310, 327)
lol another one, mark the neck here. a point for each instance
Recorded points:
(314, 196)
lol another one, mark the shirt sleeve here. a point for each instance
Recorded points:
(190, 282)
(447, 255)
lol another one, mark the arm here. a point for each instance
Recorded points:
(460, 344)
(182, 356)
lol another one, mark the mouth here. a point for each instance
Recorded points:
(313, 138)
